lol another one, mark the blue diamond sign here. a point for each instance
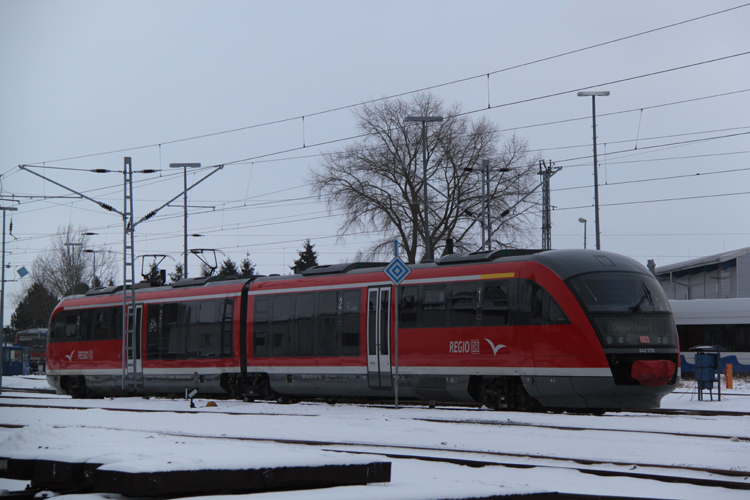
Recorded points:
(397, 271)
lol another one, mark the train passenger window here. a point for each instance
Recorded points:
(433, 306)
(327, 334)
(351, 320)
(407, 309)
(303, 323)
(540, 307)
(102, 323)
(227, 310)
(495, 306)
(71, 325)
(260, 325)
(280, 324)
(464, 304)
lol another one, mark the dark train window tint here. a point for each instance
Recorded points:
(226, 319)
(327, 334)
(495, 306)
(372, 321)
(280, 324)
(304, 310)
(556, 314)
(407, 308)
(433, 306)
(464, 304)
(350, 325)
(102, 323)
(260, 326)
(72, 323)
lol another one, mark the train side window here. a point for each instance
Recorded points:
(102, 324)
(227, 324)
(555, 313)
(327, 331)
(57, 327)
(304, 310)
(172, 343)
(191, 329)
(351, 323)
(72, 326)
(153, 330)
(495, 307)
(260, 325)
(464, 304)
(407, 308)
(208, 330)
(281, 324)
(541, 308)
(433, 305)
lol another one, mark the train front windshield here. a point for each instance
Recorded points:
(627, 309)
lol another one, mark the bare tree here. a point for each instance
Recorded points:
(65, 268)
(377, 181)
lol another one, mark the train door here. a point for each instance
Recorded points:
(138, 364)
(378, 337)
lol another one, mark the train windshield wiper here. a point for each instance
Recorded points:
(646, 296)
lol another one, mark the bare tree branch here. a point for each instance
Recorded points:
(377, 181)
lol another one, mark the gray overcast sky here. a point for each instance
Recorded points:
(88, 77)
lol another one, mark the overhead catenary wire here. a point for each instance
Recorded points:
(423, 89)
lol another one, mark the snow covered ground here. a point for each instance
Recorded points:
(159, 439)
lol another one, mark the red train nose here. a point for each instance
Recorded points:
(653, 372)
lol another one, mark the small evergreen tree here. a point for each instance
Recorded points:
(248, 267)
(228, 268)
(307, 258)
(154, 275)
(35, 308)
(177, 274)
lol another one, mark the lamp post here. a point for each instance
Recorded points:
(425, 119)
(593, 95)
(184, 167)
(583, 221)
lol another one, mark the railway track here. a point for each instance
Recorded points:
(475, 458)
(698, 476)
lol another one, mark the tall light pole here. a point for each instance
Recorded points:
(2, 300)
(425, 119)
(184, 167)
(593, 95)
(583, 221)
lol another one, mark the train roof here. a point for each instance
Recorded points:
(711, 311)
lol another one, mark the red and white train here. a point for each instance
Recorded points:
(577, 330)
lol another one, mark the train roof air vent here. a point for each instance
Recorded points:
(484, 256)
(340, 268)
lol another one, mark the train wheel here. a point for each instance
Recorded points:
(76, 387)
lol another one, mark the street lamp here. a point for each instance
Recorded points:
(593, 95)
(425, 119)
(583, 221)
(184, 167)
(93, 280)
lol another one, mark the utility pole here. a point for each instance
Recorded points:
(546, 172)
(2, 301)
(130, 342)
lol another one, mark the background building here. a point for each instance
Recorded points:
(721, 276)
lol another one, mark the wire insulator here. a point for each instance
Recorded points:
(107, 207)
